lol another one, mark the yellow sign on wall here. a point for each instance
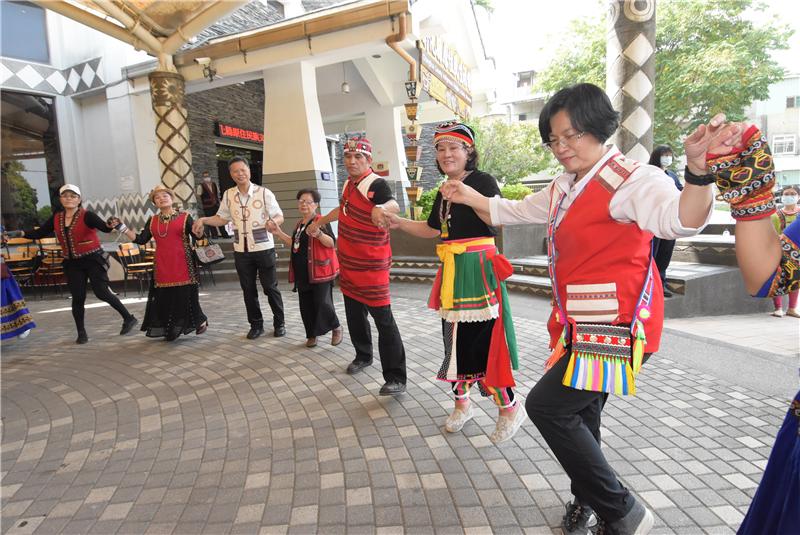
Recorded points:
(444, 75)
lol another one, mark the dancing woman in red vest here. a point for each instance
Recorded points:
(76, 230)
(312, 268)
(173, 306)
(469, 292)
(602, 214)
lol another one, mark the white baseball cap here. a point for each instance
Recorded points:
(70, 187)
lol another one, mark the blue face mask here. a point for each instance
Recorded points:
(789, 199)
(666, 161)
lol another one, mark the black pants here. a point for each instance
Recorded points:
(214, 232)
(390, 345)
(259, 264)
(569, 420)
(662, 254)
(94, 269)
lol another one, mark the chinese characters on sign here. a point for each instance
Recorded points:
(233, 132)
(444, 76)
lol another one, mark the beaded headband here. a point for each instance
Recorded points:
(454, 132)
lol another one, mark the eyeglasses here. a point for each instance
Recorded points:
(567, 141)
(303, 201)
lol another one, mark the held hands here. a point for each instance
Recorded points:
(393, 221)
(456, 191)
(197, 227)
(380, 216)
(313, 229)
(717, 137)
(115, 223)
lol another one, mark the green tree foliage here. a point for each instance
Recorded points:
(511, 151)
(426, 200)
(485, 4)
(515, 192)
(22, 198)
(709, 59)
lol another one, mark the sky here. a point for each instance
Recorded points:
(524, 34)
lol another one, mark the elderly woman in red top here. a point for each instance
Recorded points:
(173, 307)
(312, 269)
(76, 230)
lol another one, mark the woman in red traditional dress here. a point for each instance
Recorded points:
(76, 230)
(173, 306)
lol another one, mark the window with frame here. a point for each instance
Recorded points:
(783, 144)
(24, 32)
(792, 102)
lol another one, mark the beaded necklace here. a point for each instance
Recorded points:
(298, 234)
(166, 219)
(444, 212)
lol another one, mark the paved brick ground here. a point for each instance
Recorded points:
(217, 434)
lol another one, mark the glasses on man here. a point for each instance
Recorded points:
(569, 140)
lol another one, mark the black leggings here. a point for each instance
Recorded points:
(94, 268)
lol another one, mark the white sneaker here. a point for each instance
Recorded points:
(778, 312)
(455, 422)
(507, 426)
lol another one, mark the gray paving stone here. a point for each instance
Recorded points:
(189, 440)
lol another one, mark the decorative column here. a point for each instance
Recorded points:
(413, 150)
(167, 91)
(630, 73)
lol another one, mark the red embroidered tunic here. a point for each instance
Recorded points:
(78, 239)
(323, 264)
(601, 263)
(365, 254)
(174, 264)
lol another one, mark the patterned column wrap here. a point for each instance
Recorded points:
(630, 73)
(172, 130)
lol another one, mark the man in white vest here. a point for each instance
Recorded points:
(250, 207)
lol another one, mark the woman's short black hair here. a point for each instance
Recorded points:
(472, 160)
(658, 152)
(310, 191)
(589, 110)
(238, 159)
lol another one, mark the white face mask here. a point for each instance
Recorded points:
(789, 199)
(206, 179)
(666, 161)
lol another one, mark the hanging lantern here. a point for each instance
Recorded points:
(411, 110)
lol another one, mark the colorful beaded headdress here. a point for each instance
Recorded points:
(358, 144)
(454, 132)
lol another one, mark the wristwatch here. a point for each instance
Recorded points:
(703, 180)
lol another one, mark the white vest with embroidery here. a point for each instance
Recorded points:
(250, 220)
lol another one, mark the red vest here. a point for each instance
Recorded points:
(323, 264)
(365, 254)
(601, 263)
(174, 260)
(78, 239)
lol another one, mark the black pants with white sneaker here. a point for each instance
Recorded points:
(390, 345)
(569, 420)
(261, 265)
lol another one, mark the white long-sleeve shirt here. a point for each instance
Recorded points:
(648, 198)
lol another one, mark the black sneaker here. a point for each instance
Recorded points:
(82, 338)
(578, 519)
(128, 325)
(356, 366)
(392, 388)
(280, 330)
(255, 332)
(638, 521)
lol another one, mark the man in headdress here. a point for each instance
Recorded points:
(365, 257)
